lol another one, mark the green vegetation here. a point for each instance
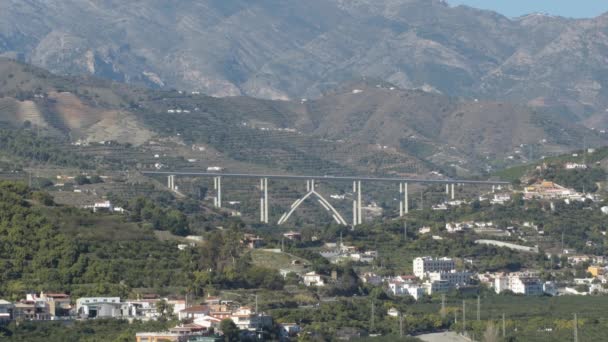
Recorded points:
(142, 209)
(85, 331)
(571, 178)
(230, 330)
(31, 148)
(582, 180)
(527, 318)
(64, 249)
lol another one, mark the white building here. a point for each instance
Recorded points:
(194, 312)
(6, 310)
(457, 227)
(437, 286)
(500, 198)
(453, 278)
(424, 265)
(102, 307)
(246, 319)
(371, 278)
(574, 166)
(313, 279)
(406, 289)
(393, 312)
(519, 283)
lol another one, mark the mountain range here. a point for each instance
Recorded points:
(365, 126)
(291, 49)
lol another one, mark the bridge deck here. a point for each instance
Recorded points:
(331, 178)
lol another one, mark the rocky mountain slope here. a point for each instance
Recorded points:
(366, 126)
(294, 49)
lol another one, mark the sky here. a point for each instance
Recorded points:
(565, 8)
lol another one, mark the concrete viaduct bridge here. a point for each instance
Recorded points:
(357, 218)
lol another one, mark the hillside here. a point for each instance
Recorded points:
(293, 50)
(362, 127)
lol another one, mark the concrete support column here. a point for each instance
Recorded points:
(447, 189)
(262, 202)
(406, 199)
(171, 182)
(266, 200)
(400, 200)
(359, 204)
(355, 204)
(215, 189)
(404, 205)
(453, 195)
(217, 186)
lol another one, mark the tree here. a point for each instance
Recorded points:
(230, 330)
(82, 180)
(95, 179)
(164, 309)
(491, 334)
(43, 198)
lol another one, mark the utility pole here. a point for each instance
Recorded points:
(443, 305)
(404, 231)
(504, 330)
(256, 304)
(464, 317)
(562, 241)
(400, 324)
(372, 328)
(478, 308)
(575, 328)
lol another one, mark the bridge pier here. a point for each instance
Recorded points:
(171, 182)
(404, 205)
(217, 186)
(453, 194)
(264, 200)
(357, 204)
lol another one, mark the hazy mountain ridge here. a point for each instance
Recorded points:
(290, 49)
